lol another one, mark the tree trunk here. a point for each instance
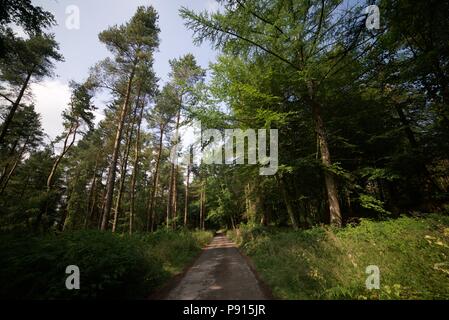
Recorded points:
(201, 207)
(172, 195)
(91, 198)
(14, 167)
(175, 196)
(287, 203)
(113, 166)
(331, 187)
(123, 170)
(11, 154)
(186, 200)
(202, 204)
(135, 167)
(65, 149)
(150, 212)
(15, 105)
(72, 131)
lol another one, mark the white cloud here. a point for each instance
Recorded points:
(51, 97)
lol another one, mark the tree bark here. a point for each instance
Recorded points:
(202, 204)
(11, 154)
(15, 105)
(150, 212)
(14, 167)
(171, 205)
(201, 207)
(113, 166)
(72, 131)
(186, 200)
(288, 205)
(65, 149)
(331, 187)
(123, 170)
(135, 167)
(170, 196)
(91, 198)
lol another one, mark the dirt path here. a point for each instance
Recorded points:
(220, 273)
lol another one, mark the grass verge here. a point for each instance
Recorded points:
(321, 263)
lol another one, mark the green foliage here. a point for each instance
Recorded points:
(371, 203)
(321, 263)
(111, 266)
(23, 13)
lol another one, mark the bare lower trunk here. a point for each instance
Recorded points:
(201, 208)
(135, 168)
(202, 205)
(186, 200)
(331, 187)
(14, 107)
(287, 202)
(65, 149)
(175, 196)
(91, 202)
(171, 205)
(72, 132)
(14, 167)
(170, 196)
(150, 212)
(112, 168)
(123, 170)
(5, 169)
(91, 198)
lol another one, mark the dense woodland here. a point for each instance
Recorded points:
(362, 114)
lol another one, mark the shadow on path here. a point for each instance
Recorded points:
(220, 273)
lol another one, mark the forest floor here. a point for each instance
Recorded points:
(220, 273)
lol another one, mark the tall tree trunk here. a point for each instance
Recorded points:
(331, 187)
(124, 169)
(201, 207)
(186, 200)
(14, 167)
(135, 167)
(175, 196)
(91, 198)
(202, 204)
(65, 149)
(113, 166)
(150, 212)
(172, 196)
(10, 154)
(15, 105)
(287, 202)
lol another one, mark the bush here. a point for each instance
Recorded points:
(112, 266)
(322, 263)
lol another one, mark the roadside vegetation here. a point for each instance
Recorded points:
(324, 263)
(112, 266)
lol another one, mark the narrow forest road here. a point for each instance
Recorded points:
(220, 273)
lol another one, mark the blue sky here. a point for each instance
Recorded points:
(81, 48)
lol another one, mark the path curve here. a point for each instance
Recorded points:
(220, 273)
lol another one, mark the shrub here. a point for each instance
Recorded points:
(112, 266)
(322, 263)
